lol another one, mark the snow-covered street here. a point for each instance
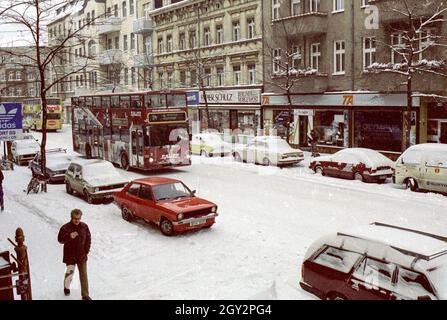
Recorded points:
(268, 217)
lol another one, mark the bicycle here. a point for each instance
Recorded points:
(37, 183)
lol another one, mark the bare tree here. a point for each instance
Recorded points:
(416, 38)
(33, 16)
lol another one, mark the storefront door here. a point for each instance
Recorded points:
(304, 124)
(443, 138)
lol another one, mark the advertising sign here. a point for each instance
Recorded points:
(11, 121)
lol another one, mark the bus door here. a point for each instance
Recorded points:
(137, 147)
(98, 143)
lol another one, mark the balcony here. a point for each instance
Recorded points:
(142, 26)
(389, 10)
(110, 57)
(109, 25)
(143, 60)
(312, 23)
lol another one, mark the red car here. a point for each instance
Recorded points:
(166, 202)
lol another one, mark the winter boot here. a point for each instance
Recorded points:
(86, 298)
(66, 291)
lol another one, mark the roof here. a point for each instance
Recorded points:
(414, 243)
(87, 162)
(430, 147)
(154, 181)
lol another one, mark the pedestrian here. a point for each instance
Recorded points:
(1, 190)
(76, 238)
(313, 140)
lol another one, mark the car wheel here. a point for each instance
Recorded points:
(125, 161)
(166, 227)
(335, 296)
(358, 176)
(237, 157)
(127, 215)
(266, 162)
(319, 170)
(68, 188)
(88, 197)
(412, 185)
(88, 152)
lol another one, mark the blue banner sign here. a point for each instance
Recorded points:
(10, 121)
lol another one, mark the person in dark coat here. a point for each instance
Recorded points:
(313, 140)
(76, 238)
(1, 190)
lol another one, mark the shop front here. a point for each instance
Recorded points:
(437, 123)
(342, 120)
(226, 110)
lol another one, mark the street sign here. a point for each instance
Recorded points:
(11, 121)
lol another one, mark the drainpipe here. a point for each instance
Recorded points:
(353, 46)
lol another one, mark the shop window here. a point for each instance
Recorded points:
(331, 127)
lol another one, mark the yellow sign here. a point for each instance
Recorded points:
(348, 100)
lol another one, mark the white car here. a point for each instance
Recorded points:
(24, 150)
(57, 163)
(210, 144)
(93, 179)
(268, 150)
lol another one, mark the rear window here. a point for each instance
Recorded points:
(437, 159)
(412, 157)
(337, 259)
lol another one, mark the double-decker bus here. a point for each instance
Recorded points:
(141, 130)
(32, 114)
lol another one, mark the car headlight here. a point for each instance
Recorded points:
(151, 160)
(214, 210)
(180, 216)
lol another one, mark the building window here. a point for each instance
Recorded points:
(365, 3)
(220, 76)
(160, 79)
(251, 74)
(131, 6)
(339, 5)
(339, 57)
(251, 28)
(297, 57)
(170, 80)
(219, 34)
(132, 41)
(125, 42)
(193, 76)
(181, 41)
(236, 31)
(315, 56)
(295, 7)
(160, 45)
(276, 4)
(183, 79)
(276, 54)
(192, 39)
(369, 51)
(397, 48)
(237, 75)
(207, 37)
(18, 75)
(169, 43)
(207, 77)
(126, 76)
(314, 6)
(124, 7)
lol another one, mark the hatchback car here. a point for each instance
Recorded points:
(166, 202)
(24, 150)
(93, 179)
(57, 163)
(210, 144)
(268, 150)
(377, 262)
(355, 163)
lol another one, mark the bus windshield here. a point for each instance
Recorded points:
(53, 116)
(159, 136)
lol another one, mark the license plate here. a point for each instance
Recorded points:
(197, 223)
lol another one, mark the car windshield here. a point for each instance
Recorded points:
(171, 191)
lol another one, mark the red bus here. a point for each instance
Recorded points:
(142, 130)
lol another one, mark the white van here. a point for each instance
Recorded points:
(423, 167)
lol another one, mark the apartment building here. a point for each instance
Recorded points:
(212, 47)
(18, 75)
(327, 48)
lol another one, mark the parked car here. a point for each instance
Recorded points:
(268, 150)
(166, 202)
(57, 163)
(24, 150)
(423, 167)
(94, 179)
(210, 144)
(355, 163)
(377, 262)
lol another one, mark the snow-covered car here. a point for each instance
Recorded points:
(268, 150)
(93, 179)
(57, 163)
(24, 150)
(166, 202)
(355, 163)
(377, 262)
(210, 144)
(423, 167)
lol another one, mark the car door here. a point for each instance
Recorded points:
(331, 166)
(411, 285)
(249, 152)
(146, 204)
(409, 166)
(132, 200)
(76, 181)
(372, 280)
(261, 151)
(434, 172)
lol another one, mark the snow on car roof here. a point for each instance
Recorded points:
(429, 147)
(156, 181)
(371, 157)
(89, 162)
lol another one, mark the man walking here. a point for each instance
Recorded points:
(313, 140)
(76, 238)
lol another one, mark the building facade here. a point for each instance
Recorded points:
(327, 49)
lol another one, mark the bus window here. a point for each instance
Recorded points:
(125, 102)
(176, 100)
(96, 102)
(88, 102)
(82, 102)
(115, 101)
(136, 102)
(148, 101)
(106, 102)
